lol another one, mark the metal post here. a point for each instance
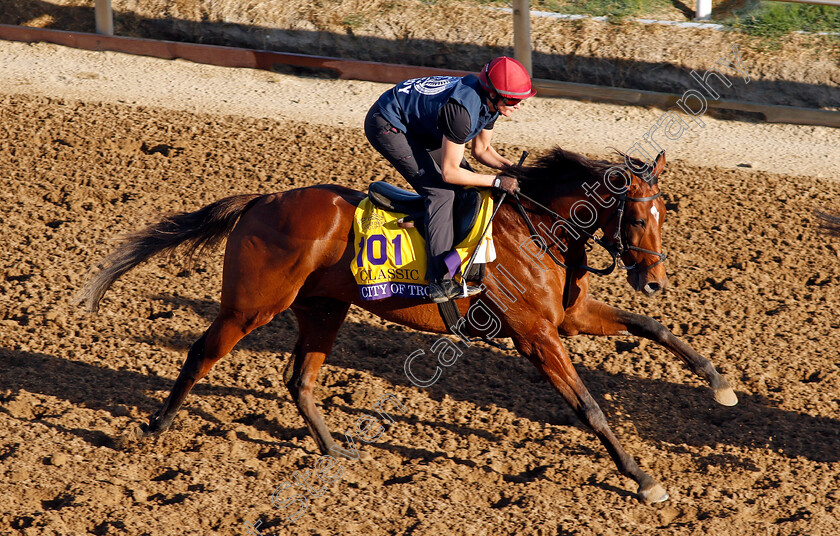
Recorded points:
(522, 33)
(703, 10)
(104, 17)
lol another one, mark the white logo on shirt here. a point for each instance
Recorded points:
(428, 86)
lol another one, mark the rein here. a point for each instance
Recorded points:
(615, 251)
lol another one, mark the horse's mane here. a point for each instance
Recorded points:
(565, 169)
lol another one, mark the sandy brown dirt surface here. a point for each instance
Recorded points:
(50, 70)
(490, 449)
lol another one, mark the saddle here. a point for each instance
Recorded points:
(389, 197)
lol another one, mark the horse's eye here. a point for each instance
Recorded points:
(640, 223)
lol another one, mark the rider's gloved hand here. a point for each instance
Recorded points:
(506, 183)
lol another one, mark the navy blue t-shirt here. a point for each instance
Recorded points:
(415, 106)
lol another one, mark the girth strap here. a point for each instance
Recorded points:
(451, 316)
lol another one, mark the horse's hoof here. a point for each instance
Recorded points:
(726, 396)
(653, 494)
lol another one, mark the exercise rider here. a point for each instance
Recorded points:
(421, 126)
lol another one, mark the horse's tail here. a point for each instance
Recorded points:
(830, 223)
(198, 230)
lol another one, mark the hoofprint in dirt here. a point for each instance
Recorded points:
(753, 286)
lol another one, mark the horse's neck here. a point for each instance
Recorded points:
(509, 221)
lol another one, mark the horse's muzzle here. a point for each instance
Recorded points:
(643, 280)
(651, 288)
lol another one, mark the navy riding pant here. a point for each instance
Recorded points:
(421, 169)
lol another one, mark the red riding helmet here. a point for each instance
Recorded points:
(507, 78)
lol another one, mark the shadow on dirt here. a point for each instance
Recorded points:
(100, 388)
(650, 76)
(483, 376)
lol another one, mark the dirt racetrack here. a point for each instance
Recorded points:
(490, 449)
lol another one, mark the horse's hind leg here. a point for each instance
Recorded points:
(226, 330)
(595, 318)
(318, 322)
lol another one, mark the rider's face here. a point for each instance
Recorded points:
(503, 108)
(506, 110)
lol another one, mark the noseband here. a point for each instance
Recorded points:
(616, 248)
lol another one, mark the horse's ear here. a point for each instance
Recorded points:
(659, 164)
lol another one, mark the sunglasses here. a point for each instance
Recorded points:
(509, 102)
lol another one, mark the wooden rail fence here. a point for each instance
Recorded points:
(386, 72)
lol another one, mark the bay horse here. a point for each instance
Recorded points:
(293, 250)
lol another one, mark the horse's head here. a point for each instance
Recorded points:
(583, 195)
(637, 231)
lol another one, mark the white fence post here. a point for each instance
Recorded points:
(104, 17)
(703, 10)
(522, 33)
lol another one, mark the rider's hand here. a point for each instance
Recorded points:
(506, 183)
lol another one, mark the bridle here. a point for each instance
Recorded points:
(616, 248)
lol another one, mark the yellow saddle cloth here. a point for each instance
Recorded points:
(391, 261)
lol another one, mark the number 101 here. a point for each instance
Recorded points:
(377, 250)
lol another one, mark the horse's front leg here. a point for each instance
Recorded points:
(592, 317)
(546, 352)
